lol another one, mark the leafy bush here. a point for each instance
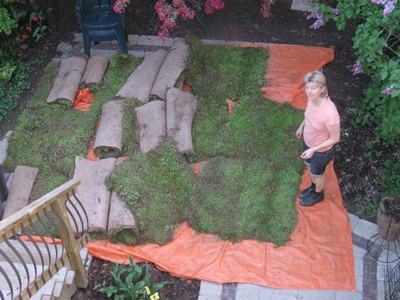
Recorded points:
(390, 178)
(20, 20)
(377, 47)
(13, 82)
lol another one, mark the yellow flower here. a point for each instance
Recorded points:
(154, 297)
(147, 290)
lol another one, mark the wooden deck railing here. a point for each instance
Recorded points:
(41, 238)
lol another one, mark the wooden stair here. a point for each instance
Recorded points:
(61, 285)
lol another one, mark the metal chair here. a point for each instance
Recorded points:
(99, 22)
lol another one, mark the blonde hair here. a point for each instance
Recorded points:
(318, 78)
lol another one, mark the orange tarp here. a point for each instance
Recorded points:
(287, 65)
(319, 255)
(83, 100)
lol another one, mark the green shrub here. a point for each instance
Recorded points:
(390, 178)
(13, 82)
(20, 21)
(376, 44)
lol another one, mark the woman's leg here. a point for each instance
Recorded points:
(319, 182)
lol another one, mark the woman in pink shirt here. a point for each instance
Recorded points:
(320, 131)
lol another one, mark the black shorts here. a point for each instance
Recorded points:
(319, 160)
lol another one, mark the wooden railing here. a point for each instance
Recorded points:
(41, 238)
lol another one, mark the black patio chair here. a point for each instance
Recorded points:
(99, 22)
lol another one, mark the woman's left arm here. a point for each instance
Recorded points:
(334, 137)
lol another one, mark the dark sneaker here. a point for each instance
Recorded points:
(305, 193)
(312, 198)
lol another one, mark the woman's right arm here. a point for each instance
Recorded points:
(299, 132)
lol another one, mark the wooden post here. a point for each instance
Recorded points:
(72, 248)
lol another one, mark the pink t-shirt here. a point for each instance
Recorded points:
(316, 120)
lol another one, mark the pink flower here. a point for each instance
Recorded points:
(24, 36)
(266, 9)
(337, 11)
(168, 13)
(379, 1)
(120, 6)
(211, 5)
(357, 68)
(388, 90)
(389, 5)
(319, 22)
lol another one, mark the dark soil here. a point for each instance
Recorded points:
(239, 20)
(100, 276)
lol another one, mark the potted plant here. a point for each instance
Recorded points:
(389, 217)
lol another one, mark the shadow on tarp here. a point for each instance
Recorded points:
(319, 255)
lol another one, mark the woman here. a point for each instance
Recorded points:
(320, 131)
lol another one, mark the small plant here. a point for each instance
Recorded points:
(369, 206)
(13, 82)
(36, 25)
(390, 177)
(131, 283)
(7, 24)
(7, 71)
(21, 20)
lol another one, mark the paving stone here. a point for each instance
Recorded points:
(302, 5)
(136, 53)
(132, 39)
(210, 289)
(78, 38)
(246, 291)
(4, 147)
(202, 297)
(268, 293)
(176, 39)
(366, 229)
(354, 221)
(213, 42)
(359, 252)
(286, 297)
(237, 42)
(349, 296)
(358, 266)
(389, 253)
(316, 295)
(105, 52)
(149, 40)
(359, 283)
(380, 290)
(65, 49)
(381, 271)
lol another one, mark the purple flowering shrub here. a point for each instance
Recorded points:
(376, 45)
